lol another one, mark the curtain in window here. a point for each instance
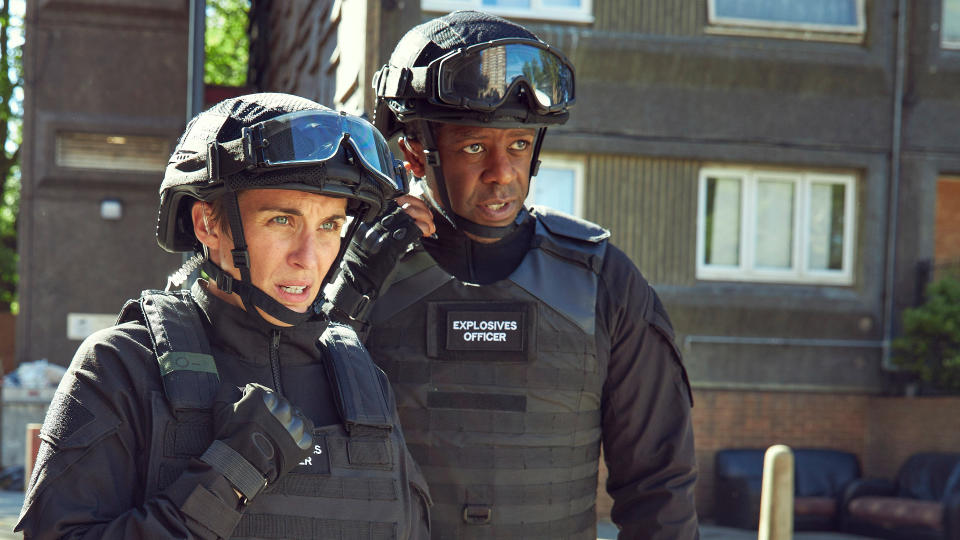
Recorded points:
(723, 222)
(832, 12)
(774, 229)
(827, 203)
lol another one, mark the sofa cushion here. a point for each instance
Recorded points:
(823, 472)
(897, 512)
(815, 506)
(925, 476)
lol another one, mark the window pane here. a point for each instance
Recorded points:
(554, 187)
(722, 237)
(829, 12)
(515, 4)
(570, 4)
(951, 22)
(774, 246)
(827, 203)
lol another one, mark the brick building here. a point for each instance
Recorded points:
(825, 140)
(781, 172)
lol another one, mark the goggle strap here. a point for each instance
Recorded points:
(225, 159)
(396, 82)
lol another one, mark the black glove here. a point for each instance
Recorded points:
(371, 257)
(259, 437)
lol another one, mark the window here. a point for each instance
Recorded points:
(555, 10)
(777, 226)
(789, 18)
(559, 185)
(950, 29)
(116, 152)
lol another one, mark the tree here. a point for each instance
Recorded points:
(11, 81)
(226, 42)
(930, 345)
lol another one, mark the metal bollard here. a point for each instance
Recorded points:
(776, 496)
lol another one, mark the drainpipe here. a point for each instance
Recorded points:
(195, 57)
(893, 195)
(195, 86)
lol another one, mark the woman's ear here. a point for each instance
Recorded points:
(206, 229)
(413, 155)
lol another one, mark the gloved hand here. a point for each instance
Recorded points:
(258, 437)
(372, 255)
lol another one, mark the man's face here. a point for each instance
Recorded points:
(487, 171)
(292, 236)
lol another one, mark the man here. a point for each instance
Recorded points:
(517, 340)
(150, 436)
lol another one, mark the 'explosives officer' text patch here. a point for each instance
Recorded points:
(482, 331)
(485, 330)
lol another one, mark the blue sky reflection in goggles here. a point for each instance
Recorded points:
(482, 76)
(306, 137)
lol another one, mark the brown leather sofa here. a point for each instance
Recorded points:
(820, 476)
(922, 503)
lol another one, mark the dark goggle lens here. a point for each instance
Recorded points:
(486, 75)
(315, 136)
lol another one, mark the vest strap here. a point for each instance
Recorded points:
(180, 345)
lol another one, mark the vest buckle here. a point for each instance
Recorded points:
(476, 514)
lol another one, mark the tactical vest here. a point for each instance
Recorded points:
(353, 486)
(499, 386)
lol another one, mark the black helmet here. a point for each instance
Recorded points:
(473, 68)
(271, 141)
(261, 140)
(470, 67)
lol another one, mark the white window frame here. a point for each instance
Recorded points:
(559, 161)
(800, 271)
(583, 14)
(813, 31)
(946, 43)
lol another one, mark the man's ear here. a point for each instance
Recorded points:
(206, 229)
(413, 155)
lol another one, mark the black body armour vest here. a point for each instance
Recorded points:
(499, 386)
(353, 486)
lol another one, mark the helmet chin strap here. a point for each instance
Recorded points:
(443, 205)
(250, 295)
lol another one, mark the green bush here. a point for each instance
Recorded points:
(930, 345)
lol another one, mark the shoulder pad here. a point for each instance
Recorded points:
(569, 226)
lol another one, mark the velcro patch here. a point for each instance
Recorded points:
(69, 417)
(471, 331)
(485, 330)
(319, 461)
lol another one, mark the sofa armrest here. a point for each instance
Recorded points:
(737, 502)
(951, 517)
(876, 487)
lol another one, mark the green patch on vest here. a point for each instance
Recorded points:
(186, 361)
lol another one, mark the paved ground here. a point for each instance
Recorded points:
(11, 501)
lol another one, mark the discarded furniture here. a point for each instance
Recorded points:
(922, 503)
(820, 476)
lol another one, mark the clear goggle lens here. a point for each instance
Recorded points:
(315, 136)
(483, 77)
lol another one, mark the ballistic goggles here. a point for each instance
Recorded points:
(306, 138)
(482, 77)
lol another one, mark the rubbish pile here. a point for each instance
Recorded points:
(36, 374)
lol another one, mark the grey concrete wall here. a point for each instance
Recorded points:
(661, 94)
(116, 67)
